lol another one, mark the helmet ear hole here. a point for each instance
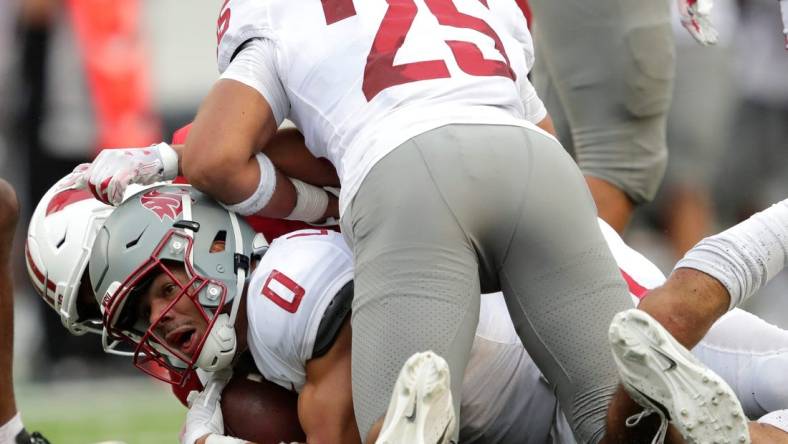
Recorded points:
(61, 242)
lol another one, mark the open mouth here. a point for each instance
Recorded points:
(183, 339)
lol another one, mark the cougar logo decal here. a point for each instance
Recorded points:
(164, 204)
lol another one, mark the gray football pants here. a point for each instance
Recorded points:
(465, 209)
(608, 67)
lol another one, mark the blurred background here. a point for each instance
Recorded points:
(77, 75)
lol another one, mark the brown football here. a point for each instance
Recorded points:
(260, 411)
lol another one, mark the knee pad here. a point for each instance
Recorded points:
(650, 69)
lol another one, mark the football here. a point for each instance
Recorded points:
(260, 411)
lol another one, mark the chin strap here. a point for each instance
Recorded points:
(241, 266)
(221, 343)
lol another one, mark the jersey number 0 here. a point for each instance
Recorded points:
(380, 71)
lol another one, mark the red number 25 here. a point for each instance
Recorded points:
(380, 71)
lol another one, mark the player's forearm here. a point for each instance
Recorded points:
(290, 156)
(288, 151)
(242, 188)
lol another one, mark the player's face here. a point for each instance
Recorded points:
(182, 326)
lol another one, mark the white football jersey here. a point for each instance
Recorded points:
(361, 78)
(287, 296)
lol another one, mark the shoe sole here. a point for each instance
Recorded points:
(421, 409)
(655, 368)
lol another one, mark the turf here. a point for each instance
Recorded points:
(131, 411)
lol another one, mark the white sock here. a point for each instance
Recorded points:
(9, 430)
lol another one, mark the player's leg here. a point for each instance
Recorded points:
(9, 212)
(527, 212)
(416, 281)
(700, 404)
(561, 284)
(612, 65)
(11, 427)
(720, 272)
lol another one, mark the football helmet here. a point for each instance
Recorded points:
(59, 239)
(173, 230)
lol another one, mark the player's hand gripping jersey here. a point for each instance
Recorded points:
(359, 79)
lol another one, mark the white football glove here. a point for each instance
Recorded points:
(695, 16)
(205, 411)
(115, 169)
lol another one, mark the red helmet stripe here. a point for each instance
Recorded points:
(65, 198)
(42, 280)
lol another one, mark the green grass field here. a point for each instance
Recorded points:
(131, 411)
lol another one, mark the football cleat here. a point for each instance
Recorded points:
(664, 377)
(421, 410)
(30, 438)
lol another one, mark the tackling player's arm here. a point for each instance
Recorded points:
(288, 151)
(219, 155)
(325, 404)
(290, 155)
(241, 113)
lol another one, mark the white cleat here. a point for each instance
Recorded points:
(421, 409)
(663, 376)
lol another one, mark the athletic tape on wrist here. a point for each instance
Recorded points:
(311, 202)
(169, 161)
(745, 257)
(218, 439)
(265, 189)
(9, 430)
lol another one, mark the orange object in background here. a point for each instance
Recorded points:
(117, 70)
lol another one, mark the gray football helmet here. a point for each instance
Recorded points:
(158, 231)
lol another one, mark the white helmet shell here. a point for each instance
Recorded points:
(59, 239)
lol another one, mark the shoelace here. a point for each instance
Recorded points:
(634, 420)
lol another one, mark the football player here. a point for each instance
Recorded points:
(12, 430)
(446, 189)
(296, 324)
(73, 215)
(461, 221)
